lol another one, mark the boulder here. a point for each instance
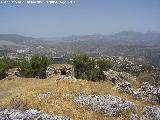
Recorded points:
(124, 87)
(151, 113)
(147, 93)
(110, 105)
(30, 114)
(117, 77)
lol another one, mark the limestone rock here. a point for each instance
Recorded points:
(148, 93)
(110, 105)
(12, 114)
(124, 87)
(151, 113)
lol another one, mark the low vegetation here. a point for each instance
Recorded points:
(90, 69)
(6, 64)
(57, 97)
(37, 66)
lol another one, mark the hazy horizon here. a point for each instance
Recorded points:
(76, 35)
(82, 18)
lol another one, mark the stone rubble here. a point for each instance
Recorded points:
(110, 105)
(61, 70)
(12, 74)
(134, 116)
(151, 113)
(64, 72)
(124, 87)
(147, 93)
(120, 82)
(31, 114)
(118, 76)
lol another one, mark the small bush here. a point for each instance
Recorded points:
(91, 69)
(37, 66)
(5, 64)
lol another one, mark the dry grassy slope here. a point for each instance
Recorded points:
(58, 104)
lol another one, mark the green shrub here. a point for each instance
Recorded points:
(104, 64)
(2, 69)
(5, 64)
(26, 69)
(90, 69)
(80, 65)
(34, 67)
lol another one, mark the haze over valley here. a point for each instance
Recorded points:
(80, 60)
(140, 47)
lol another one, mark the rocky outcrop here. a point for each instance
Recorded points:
(110, 105)
(117, 77)
(31, 114)
(64, 72)
(147, 93)
(13, 73)
(120, 80)
(151, 113)
(124, 87)
(61, 70)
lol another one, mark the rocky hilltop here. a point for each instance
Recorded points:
(62, 97)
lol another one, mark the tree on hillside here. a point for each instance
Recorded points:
(39, 65)
(90, 69)
(2, 69)
(94, 74)
(104, 64)
(26, 69)
(80, 65)
(5, 64)
(10, 63)
(36, 67)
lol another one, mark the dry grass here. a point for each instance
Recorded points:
(59, 104)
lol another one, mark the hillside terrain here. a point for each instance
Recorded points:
(56, 96)
(61, 97)
(117, 78)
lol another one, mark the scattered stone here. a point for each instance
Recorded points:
(61, 70)
(31, 114)
(110, 105)
(148, 93)
(124, 87)
(64, 72)
(44, 95)
(117, 77)
(111, 75)
(134, 116)
(151, 113)
(126, 76)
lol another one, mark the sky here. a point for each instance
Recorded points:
(80, 18)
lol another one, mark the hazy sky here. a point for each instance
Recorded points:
(84, 17)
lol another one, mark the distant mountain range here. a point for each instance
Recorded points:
(14, 38)
(126, 43)
(124, 37)
(121, 38)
